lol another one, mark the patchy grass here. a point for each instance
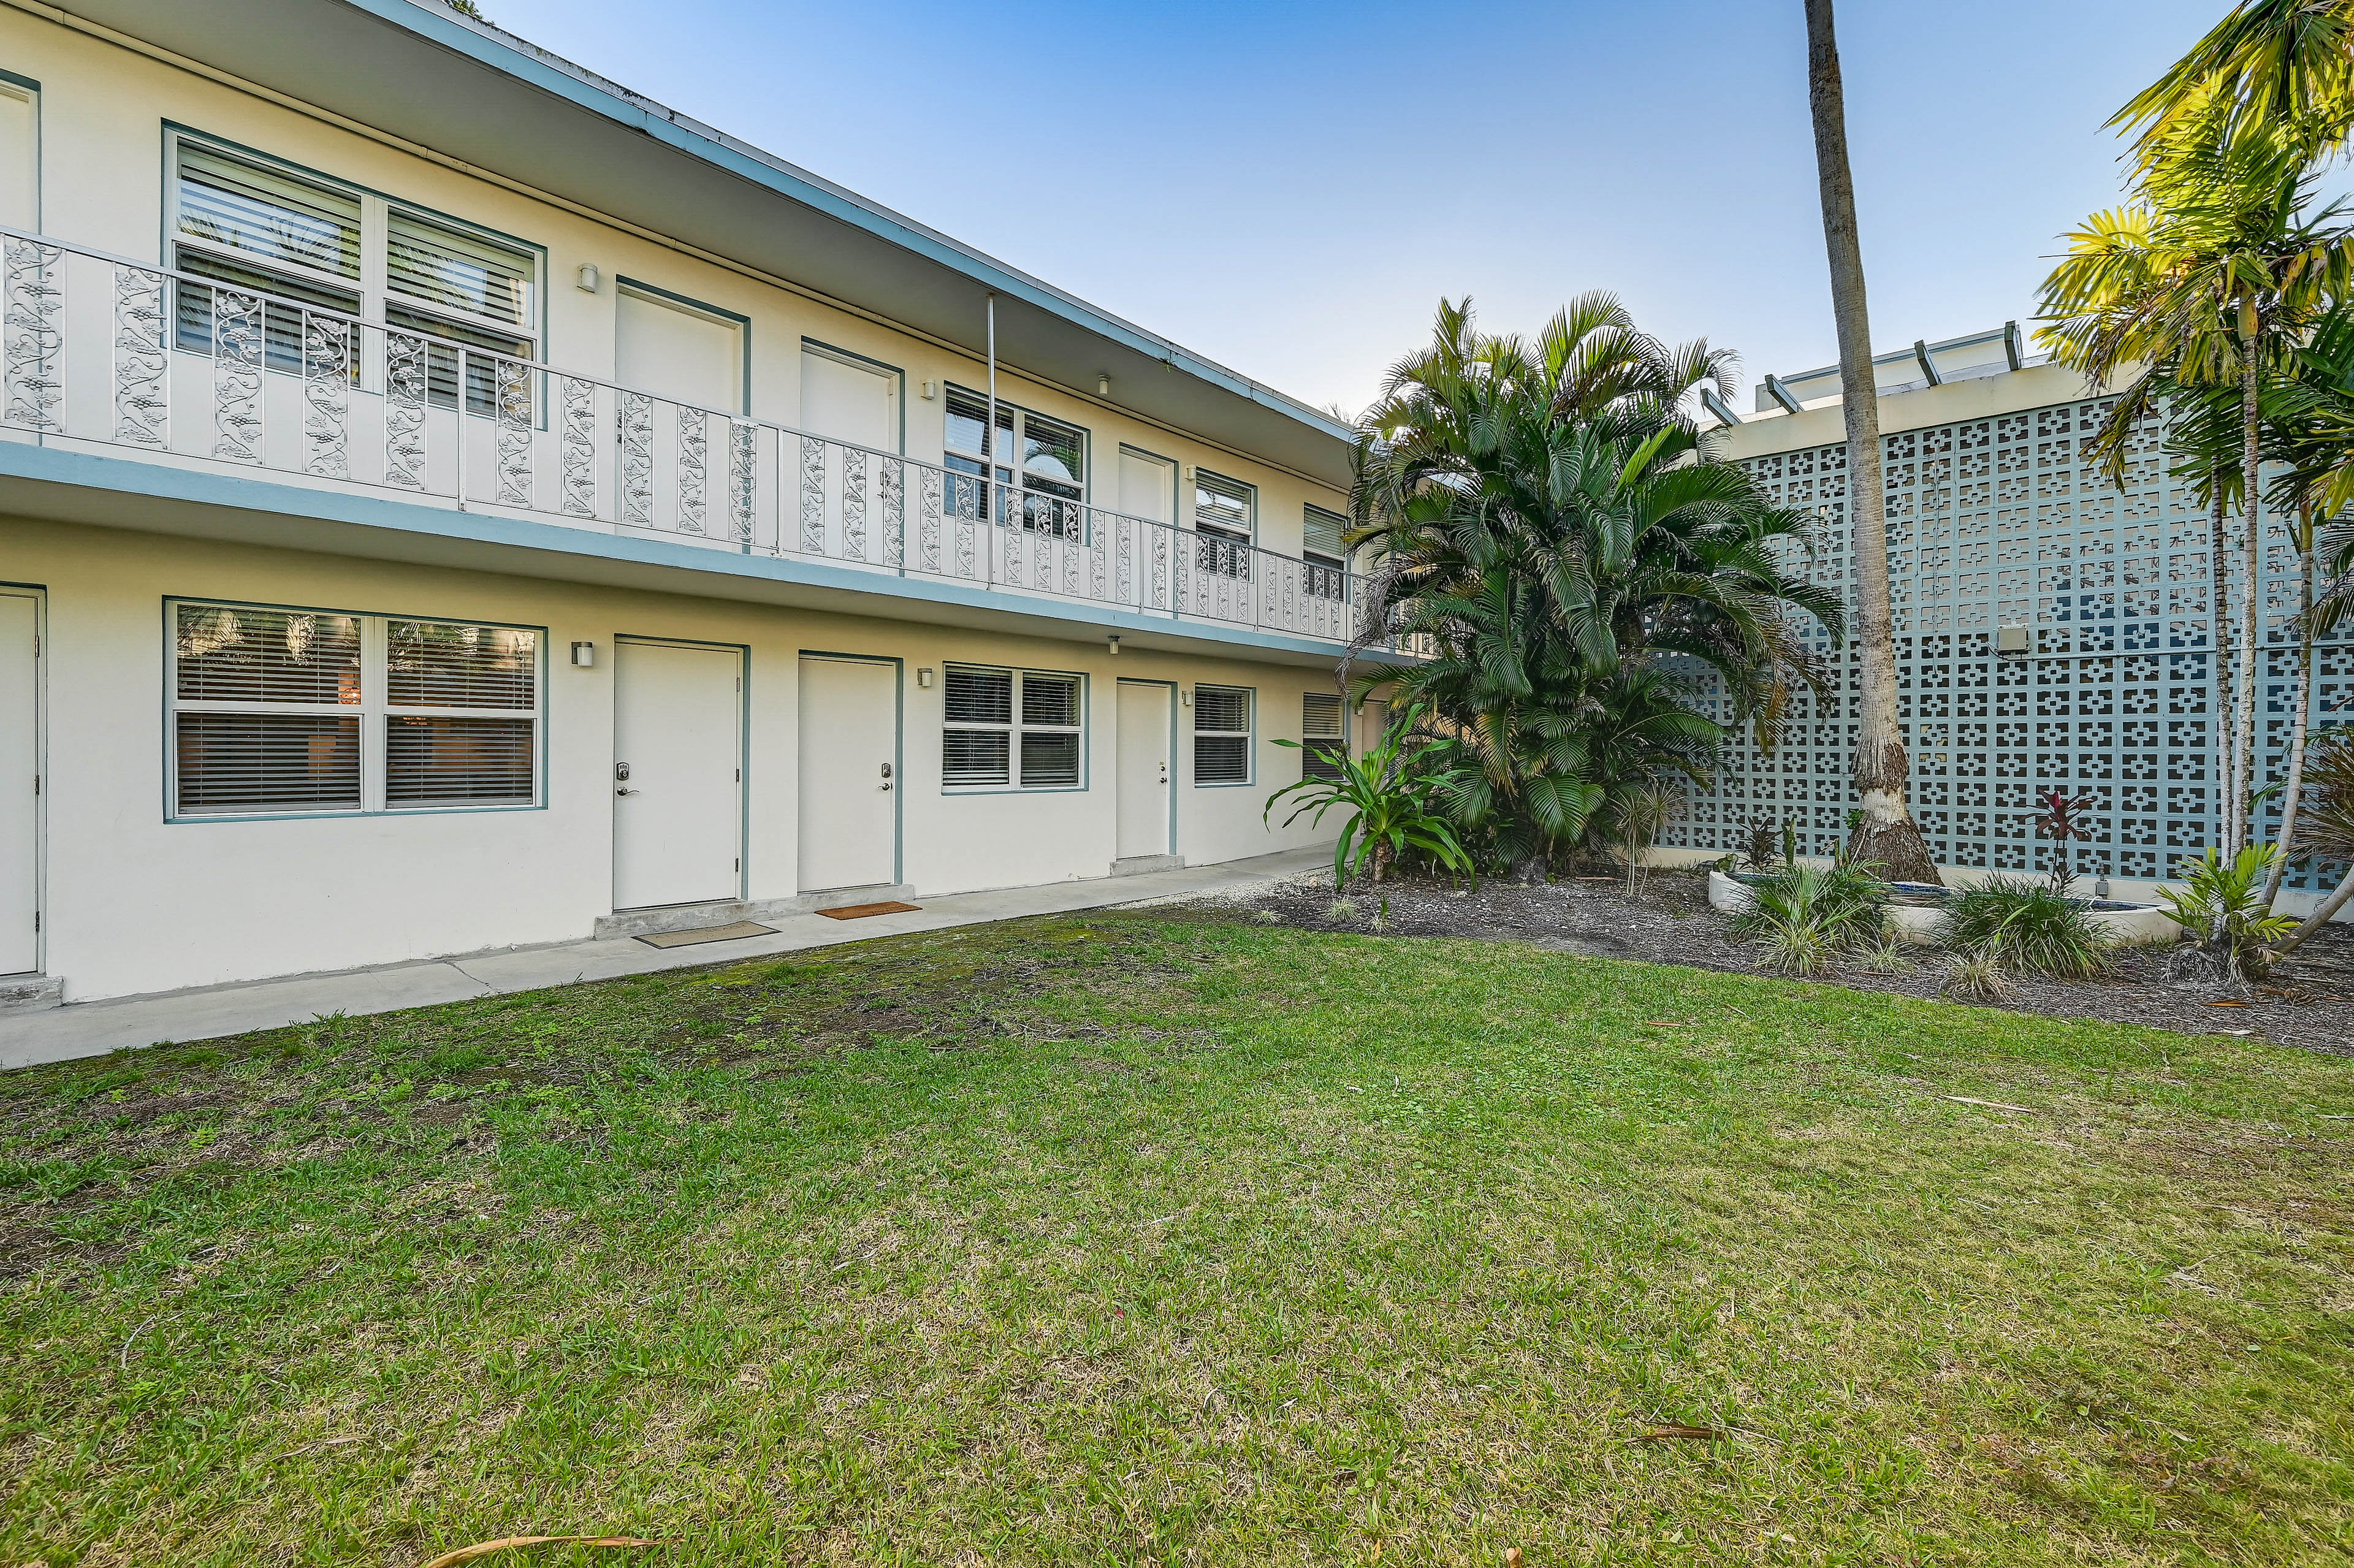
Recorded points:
(1166, 1238)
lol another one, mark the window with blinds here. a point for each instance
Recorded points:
(246, 224)
(1022, 729)
(1324, 734)
(1324, 572)
(1052, 487)
(1221, 735)
(278, 711)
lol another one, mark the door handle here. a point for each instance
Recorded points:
(625, 791)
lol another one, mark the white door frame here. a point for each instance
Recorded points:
(743, 651)
(898, 748)
(1170, 686)
(40, 598)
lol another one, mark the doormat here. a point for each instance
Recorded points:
(861, 911)
(735, 932)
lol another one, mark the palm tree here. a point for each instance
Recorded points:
(1885, 833)
(2284, 63)
(1548, 515)
(2210, 276)
(2330, 827)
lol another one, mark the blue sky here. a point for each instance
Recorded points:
(1290, 185)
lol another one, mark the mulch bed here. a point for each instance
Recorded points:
(1667, 920)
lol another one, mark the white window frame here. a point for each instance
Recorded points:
(373, 286)
(1014, 730)
(1065, 515)
(1249, 735)
(1326, 743)
(1322, 576)
(373, 710)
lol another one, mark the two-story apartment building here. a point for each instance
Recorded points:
(449, 501)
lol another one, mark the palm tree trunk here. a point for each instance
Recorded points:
(2244, 723)
(2301, 725)
(2320, 918)
(1886, 832)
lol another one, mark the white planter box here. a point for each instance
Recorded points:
(2140, 926)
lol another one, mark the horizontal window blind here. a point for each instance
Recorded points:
(1222, 739)
(231, 654)
(268, 213)
(1324, 728)
(195, 308)
(1225, 506)
(233, 762)
(439, 759)
(980, 696)
(983, 743)
(442, 361)
(280, 711)
(446, 267)
(433, 664)
(1321, 532)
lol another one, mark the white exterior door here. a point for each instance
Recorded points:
(677, 783)
(679, 352)
(850, 757)
(20, 805)
(1144, 768)
(20, 157)
(1148, 486)
(849, 401)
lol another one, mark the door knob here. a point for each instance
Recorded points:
(625, 791)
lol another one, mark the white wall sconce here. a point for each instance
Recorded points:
(584, 655)
(1112, 643)
(586, 279)
(923, 677)
(1185, 696)
(927, 390)
(1103, 386)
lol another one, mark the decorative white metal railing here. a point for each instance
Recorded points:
(104, 350)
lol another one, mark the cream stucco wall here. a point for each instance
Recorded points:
(105, 110)
(136, 903)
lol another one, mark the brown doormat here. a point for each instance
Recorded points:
(735, 932)
(861, 911)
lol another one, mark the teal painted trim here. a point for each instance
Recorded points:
(1250, 736)
(897, 373)
(898, 751)
(23, 81)
(743, 324)
(245, 493)
(612, 103)
(743, 651)
(168, 775)
(1174, 704)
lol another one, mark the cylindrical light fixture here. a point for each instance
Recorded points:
(584, 655)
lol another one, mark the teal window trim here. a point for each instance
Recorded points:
(1249, 736)
(168, 702)
(740, 321)
(852, 356)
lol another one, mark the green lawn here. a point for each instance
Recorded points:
(1164, 1238)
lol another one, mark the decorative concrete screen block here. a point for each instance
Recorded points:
(2050, 630)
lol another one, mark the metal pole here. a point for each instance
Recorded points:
(988, 451)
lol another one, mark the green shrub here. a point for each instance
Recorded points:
(2027, 928)
(2223, 908)
(1802, 917)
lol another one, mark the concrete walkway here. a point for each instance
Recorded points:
(95, 1028)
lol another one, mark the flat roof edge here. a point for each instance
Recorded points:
(527, 62)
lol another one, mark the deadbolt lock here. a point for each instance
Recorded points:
(621, 770)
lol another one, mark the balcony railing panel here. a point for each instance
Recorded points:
(104, 351)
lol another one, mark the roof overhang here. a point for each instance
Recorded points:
(421, 73)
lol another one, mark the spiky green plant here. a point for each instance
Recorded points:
(2028, 927)
(1803, 915)
(2222, 904)
(1388, 799)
